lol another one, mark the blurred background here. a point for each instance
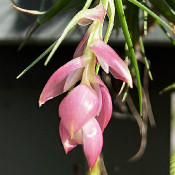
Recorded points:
(29, 138)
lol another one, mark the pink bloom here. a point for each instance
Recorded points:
(110, 61)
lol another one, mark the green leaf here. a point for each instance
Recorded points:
(121, 15)
(145, 58)
(132, 18)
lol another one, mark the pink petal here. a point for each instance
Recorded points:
(106, 110)
(68, 143)
(55, 84)
(80, 48)
(94, 14)
(92, 141)
(106, 103)
(96, 87)
(73, 78)
(78, 107)
(108, 57)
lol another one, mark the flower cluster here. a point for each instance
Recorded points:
(87, 109)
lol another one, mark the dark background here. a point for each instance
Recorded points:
(29, 138)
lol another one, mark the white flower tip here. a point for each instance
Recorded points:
(40, 103)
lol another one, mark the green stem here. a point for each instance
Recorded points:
(87, 4)
(111, 15)
(121, 15)
(145, 18)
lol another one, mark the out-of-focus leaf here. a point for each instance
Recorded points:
(132, 14)
(167, 34)
(167, 89)
(166, 10)
(74, 4)
(171, 3)
(57, 7)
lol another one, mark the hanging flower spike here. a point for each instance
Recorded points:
(110, 61)
(56, 83)
(78, 107)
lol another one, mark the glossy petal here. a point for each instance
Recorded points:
(92, 141)
(78, 107)
(97, 13)
(73, 78)
(96, 87)
(81, 46)
(106, 103)
(110, 61)
(55, 84)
